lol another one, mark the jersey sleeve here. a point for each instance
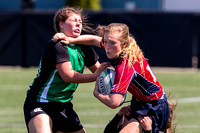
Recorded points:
(55, 53)
(123, 77)
(89, 55)
(61, 53)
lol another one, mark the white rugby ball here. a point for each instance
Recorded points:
(106, 80)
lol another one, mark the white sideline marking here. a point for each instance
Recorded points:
(188, 126)
(189, 100)
(95, 125)
(196, 114)
(181, 100)
(12, 125)
(94, 113)
(104, 125)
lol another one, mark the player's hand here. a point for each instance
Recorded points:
(100, 69)
(97, 73)
(64, 39)
(145, 122)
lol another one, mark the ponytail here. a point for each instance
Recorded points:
(133, 52)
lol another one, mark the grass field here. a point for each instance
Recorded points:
(184, 86)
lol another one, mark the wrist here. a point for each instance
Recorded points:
(72, 40)
(96, 93)
(94, 76)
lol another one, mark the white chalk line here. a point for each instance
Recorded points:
(181, 100)
(21, 125)
(189, 100)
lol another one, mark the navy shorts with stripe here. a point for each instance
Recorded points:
(64, 118)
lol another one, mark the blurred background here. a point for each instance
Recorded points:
(166, 30)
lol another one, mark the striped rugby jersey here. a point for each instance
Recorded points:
(48, 86)
(140, 82)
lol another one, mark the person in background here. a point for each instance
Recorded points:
(48, 106)
(120, 120)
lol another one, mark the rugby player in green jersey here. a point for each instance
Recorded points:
(48, 106)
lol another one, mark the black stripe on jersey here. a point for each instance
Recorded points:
(54, 53)
(146, 87)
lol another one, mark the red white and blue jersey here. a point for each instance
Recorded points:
(140, 82)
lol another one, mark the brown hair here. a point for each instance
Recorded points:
(171, 126)
(63, 14)
(132, 50)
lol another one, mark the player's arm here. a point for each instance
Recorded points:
(113, 100)
(94, 67)
(83, 39)
(69, 75)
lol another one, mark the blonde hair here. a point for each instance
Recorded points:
(131, 50)
(62, 15)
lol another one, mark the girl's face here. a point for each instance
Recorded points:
(72, 27)
(112, 44)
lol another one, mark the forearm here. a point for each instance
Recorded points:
(87, 40)
(69, 75)
(113, 100)
(76, 77)
(105, 99)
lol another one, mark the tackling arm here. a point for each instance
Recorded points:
(69, 75)
(82, 39)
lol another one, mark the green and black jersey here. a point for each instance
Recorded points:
(48, 86)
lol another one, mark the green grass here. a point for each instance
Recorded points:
(94, 115)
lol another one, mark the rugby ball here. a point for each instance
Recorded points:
(106, 80)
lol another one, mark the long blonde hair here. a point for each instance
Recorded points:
(131, 50)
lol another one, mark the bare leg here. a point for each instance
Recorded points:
(132, 126)
(40, 124)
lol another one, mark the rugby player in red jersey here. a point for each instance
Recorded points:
(133, 74)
